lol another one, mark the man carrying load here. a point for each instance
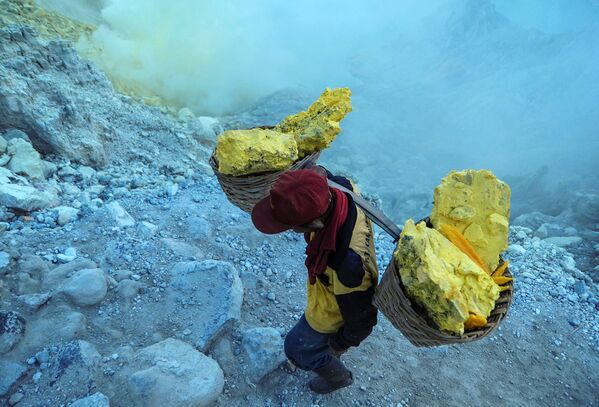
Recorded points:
(342, 271)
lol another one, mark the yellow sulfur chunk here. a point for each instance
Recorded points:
(455, 237)
(477, 204)
(442, 279)
(240, 152)
(475, 321)
(316, 128)
(500, 280)
(501, 269)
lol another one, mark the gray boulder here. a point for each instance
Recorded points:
(66, 214)
(11, 373)
(120, 215)
(11, 134)
(129, 288)
(95, 400)
(199, 228)
(57, 275)
(264, 350)
(73, 368)
(12, 328)
(3, 144)
(215, 293)
(564, 241)
(34, 301)
(86, 287)
(173, 373)
(4, 262)
(25, 198)
(35, 266)
(53, 325)
(25, 160)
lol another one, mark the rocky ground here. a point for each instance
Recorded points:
(129, 279)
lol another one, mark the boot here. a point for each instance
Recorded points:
(332, 376)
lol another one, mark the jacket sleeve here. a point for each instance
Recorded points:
(359, 315)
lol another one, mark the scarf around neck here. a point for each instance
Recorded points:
(324, 241)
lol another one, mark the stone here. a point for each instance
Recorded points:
(25, 198)
(442, 279)
(183, 249)
(315, 128)
(4, 262)
(95, 400)
(173, 373)
(66, 214)
(87, 173)
(213, 290)
(57, 275)
(86, 287)
(69, 255)
(516, 250)
(129, 288)
(478, 204)
(11, 373)
(264, 350)
(199, 228)
(146, 228)
(34, 301)
(3, 144)
(11, 134)
(241, 152)
(549, 230)
(12, 328)
(71, 365)
(120, 215)
(222, 352)
(53, 325)
(25, 160)
(564, 241)
(120, 275)
(35, 266)
(580, 288)
(15, 398)
(4, 159)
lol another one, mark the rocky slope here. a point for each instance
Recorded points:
(136, 283)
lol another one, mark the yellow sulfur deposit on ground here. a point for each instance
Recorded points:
(438, 276)
(240, 152)
(316, 128)
(477, 204)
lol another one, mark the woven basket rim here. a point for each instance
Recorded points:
(214, 164)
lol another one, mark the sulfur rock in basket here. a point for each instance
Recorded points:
(455, 292)
(477, 204)
(316, 128)
(241, 152)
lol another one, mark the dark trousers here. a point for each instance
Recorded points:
(306, 348)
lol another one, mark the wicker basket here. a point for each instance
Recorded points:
(245, 191)
(391, 300)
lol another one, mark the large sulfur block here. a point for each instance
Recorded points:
(442, 279)
(316, 128)
(478, 205)
(241, 152)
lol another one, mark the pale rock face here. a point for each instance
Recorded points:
(25, 198)
(12, 328)
(264, 349)
(95, 400)
(120, 215)
(66, 214)
(173, 373)
(25, 160)
(86, 287)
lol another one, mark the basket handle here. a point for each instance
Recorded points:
(371, 212)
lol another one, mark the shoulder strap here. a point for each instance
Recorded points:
(371, 212)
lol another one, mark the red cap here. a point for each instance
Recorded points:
(296, 198)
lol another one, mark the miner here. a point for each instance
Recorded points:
(341, 266)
